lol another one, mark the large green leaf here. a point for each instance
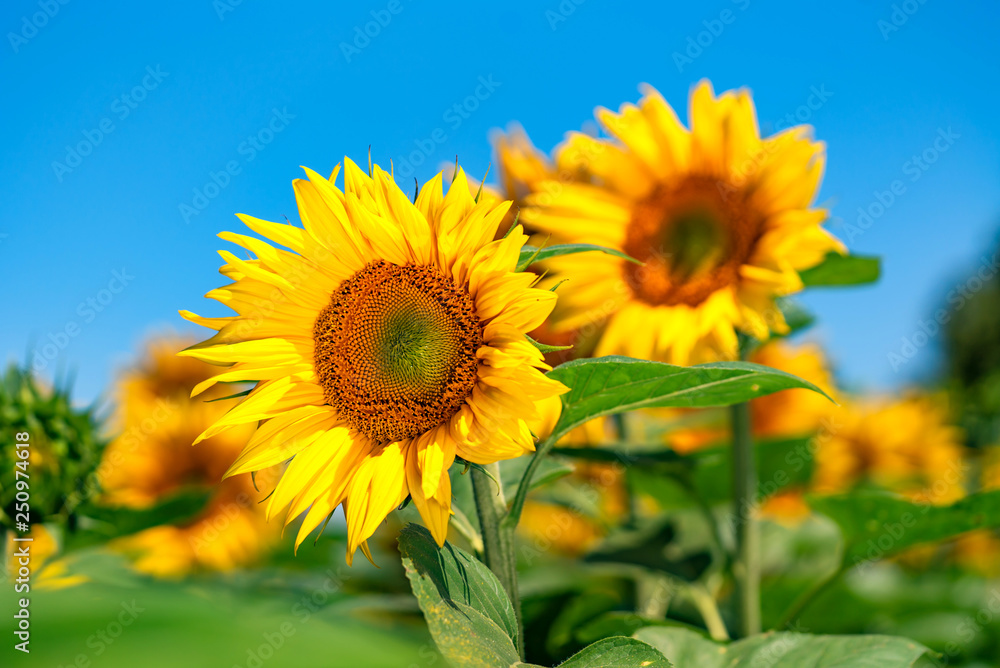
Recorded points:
(876, 525)
(783, 650)
(617, 652)
(608, 385)
(622, 623)
(466, 609)
(471, 619)
(530, 254)
(837, 269)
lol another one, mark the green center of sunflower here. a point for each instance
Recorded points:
(395, 350)
(692, 238)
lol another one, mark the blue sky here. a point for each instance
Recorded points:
(162, 96)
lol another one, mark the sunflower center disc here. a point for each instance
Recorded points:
(692, 237)
(395, 350)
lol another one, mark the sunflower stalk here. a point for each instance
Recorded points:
(498, 537)
(746, 565)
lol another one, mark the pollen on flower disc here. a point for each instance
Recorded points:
(692, 238)
(395, 350)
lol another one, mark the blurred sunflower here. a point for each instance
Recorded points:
(904, 445)
(386, 343)
(979, 551)
(152, 461)
(720, 218)
(522, 167)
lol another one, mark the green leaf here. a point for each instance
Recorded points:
(609, 385)
(622, 623)
(531, 255)
(876, 525)
(837, 269)
(544, 347)
(618, 652)
(783, 650)
(179, 508)
(649, 547)
(797, 317)
(468, 614)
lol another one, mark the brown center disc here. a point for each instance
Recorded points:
(693, 238)
(395, 350)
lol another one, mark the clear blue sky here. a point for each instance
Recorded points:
(211, 75)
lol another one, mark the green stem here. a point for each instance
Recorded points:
(746, 566)
(808, 597)
(498, 537)
(517, 505)
(709, 611)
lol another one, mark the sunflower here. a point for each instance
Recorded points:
(720, 218)
(905, 445)
(386, 342)
(152, 461)
(522, 167)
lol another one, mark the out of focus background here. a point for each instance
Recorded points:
(134, 132)
(183, 91)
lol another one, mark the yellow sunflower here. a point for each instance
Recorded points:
(522, 167)
(720, 217)
(385, 342)
(152, 459)
(905, 445)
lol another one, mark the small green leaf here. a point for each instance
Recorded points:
(783, 650)
(609, 385)
(796, 316)
(619, 652)
(544, 347)
(837, 269)
(467, 611)
(876, 525)
(231, 396)
(530, 254)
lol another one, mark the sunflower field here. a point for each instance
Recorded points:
(664, 387)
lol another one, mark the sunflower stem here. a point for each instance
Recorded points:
(746, 566)
(498, 537)
(513, 516)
